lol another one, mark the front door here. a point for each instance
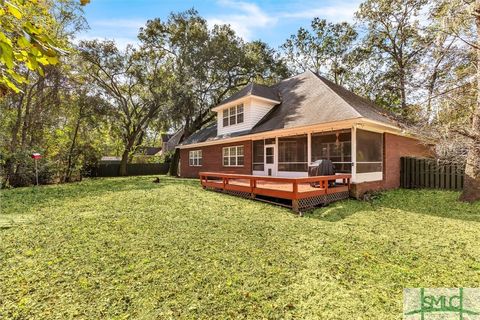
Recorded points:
(270, 161)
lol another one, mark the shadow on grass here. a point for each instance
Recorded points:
(21, 200)
(339, 210)
(438, 203)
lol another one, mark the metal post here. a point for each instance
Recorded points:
(36, 171)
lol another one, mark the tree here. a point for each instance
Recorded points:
(325, 49)
(24, 43)
(461, 19)
(393, 31)
(30, 118)
(206, 66)
(133, 82)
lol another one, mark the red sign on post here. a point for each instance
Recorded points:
(36, 155)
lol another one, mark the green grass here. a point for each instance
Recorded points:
(129, 248)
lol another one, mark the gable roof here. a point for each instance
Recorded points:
(254, 89)
(148, 151)
(166, 137)
(306, 99)
(309, 99)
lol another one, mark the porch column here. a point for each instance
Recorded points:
(354, 152)
(309, 148)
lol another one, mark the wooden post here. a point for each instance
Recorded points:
(253, 185)
(295, 206)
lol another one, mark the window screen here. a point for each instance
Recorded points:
(369, 151)
(334, 146)
(258, 155)
(292, 153)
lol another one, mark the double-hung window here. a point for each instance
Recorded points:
(233, 156)
(195, 158)
(233, 115)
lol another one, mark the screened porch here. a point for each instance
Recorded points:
(352, 151)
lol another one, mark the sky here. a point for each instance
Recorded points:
(271, 21)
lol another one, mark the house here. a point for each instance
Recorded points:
(148, 151)
(142, 154)
(110, 160)
(280, 130)
(170, 141)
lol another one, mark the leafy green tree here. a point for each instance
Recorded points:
(206, 66)
(33, 118)
(133, 82)
(462, 19)
(325, 49)
(25, 40)
(394, 32)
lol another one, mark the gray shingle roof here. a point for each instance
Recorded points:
(306, 99)
(254, 90)
(309, 99)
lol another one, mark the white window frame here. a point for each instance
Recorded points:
(233, 112)
(228, 154)
(195, 158)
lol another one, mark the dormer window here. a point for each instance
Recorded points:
(233, 115)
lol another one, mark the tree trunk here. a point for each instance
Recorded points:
(403, 94)
(173, 170)
(123, 163)
(471, 187)
(126, 153)
(68, 171)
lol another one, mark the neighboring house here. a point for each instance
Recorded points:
(142, 154)
(110, 160)
(280, 130)
(170, 141)
(148, 151)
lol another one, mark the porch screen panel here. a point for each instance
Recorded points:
(369, 151)
(334, 146)
(258, 153)
(292, 153)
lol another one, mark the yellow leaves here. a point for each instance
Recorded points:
(13, 9)
(17, 77)
(23, 42)
(4, 38)
(7, 82)
(6, 54)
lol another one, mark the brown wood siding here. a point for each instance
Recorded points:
(213, 161)
(395, 147)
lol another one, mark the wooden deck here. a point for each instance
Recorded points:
(297, 193)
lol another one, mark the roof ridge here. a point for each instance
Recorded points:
(319, 77)
(379, 110)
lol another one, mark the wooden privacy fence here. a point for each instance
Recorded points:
(430, 173)
(133, 169)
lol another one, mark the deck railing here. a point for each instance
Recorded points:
(276, 187)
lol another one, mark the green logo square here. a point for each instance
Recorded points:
(441, 303)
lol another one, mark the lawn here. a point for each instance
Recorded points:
(129, 248)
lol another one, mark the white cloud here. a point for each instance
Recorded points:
(247, 18)
(122, 31)
(340, 12)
